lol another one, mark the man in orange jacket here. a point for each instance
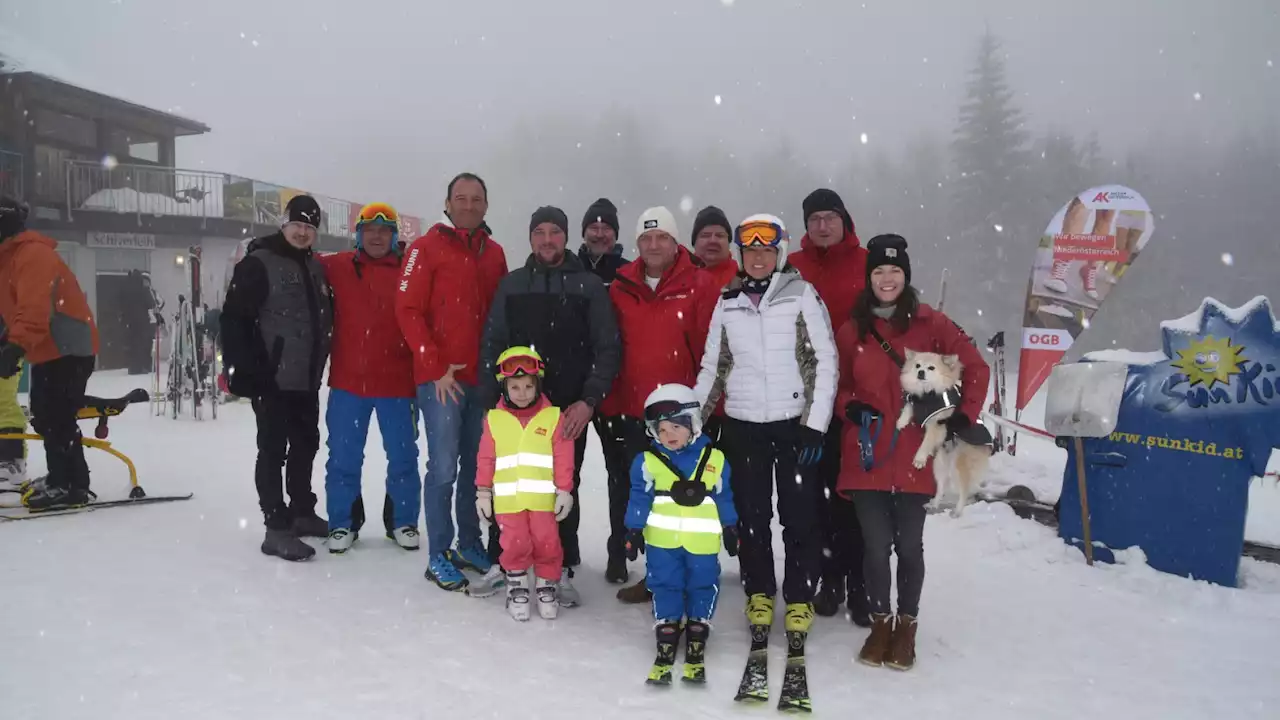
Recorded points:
(46, 321)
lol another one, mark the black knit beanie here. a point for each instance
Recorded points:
(824, 200)
(601, 211)
(13, 216)
(710, 216)
(888, 250)
(303, 209)
(549, 214)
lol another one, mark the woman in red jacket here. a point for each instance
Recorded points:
(876, 471)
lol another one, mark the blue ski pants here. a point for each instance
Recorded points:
(347, 418)
(683, 584)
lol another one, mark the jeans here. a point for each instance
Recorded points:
(892, 523)
(348, 421)
(453, 441)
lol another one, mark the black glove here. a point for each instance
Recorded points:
(854, 410)
(958, 422)
(249, 384)
(11, 355)
(809, 444)
(730, 537)
(635, 544)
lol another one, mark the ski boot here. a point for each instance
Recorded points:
(341, 540)
(406, 537)
(567, 593)
(46, 497)
(760, 610)
(668, 635)
(548, 598)
(754, 686)
(13, 474)
(286, 546)
(795, 679)
(696, 634)
(518, 595)
(442, 572)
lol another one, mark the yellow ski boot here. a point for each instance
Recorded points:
(799, 617)
(760, 610)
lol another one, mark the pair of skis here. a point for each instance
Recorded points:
(754, 687)
(17, 512)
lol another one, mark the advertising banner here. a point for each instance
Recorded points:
(1085, 250)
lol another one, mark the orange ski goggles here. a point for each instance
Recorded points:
(759, 234)
(378, 213)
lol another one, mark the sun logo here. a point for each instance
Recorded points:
(1210, 361)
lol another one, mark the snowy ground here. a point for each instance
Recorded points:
(170, 611)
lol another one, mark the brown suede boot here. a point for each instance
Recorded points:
(876, 648)
(902, 647)
(635, 594)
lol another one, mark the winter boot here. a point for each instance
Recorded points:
(310, 525)
(442, 572)
(470, 558)
(859, 608)
(799, 617)
(902, 645)
(696, 634)
(635, 594)
(668, 635)
(829, 597)
(548, 598)
(760, 610)
(406, 537)
(489, 584)
(876, 648)
(341, 540)
(286, 546)
(616, 571)
(47, 497)
(567, 593)
(13, 475)
(518, 595)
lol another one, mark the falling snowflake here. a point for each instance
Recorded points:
(999, 228)
(109, 162)
(1084, 323)
(1196, 96)
(717, 99)
(726, 3)
(1228, 260)
(244, 523)
(863, 138)
(1270, 64)
(686, 204)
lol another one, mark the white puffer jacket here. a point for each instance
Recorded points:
(775, 362)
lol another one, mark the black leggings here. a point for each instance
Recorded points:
(892, 522)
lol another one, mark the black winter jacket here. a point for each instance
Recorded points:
(564, 312)
(606, 268)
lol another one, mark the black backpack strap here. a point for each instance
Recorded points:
(884, 345)
(697, 474)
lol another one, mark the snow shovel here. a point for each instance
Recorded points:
(1083, 400)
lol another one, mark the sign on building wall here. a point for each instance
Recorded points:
(121, 241)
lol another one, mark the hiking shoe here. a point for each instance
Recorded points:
(445, 574)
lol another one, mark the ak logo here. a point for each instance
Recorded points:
(1102, 198)
(1214, 371)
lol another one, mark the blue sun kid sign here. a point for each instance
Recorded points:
(1197, 423)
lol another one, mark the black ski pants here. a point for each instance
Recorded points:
(621, 438)
(893, 522)
(757, 453)
(57, 395)
(842, 536)
(568, 527)
(289, 438)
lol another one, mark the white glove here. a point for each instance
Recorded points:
(484, 503)
(564, 504)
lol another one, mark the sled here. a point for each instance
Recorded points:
(102, 409)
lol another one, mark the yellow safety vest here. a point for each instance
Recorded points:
(524, 478)
(670, 525)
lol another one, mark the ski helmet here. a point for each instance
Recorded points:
(519, 361)
(377, 214)
(765, 231)
(671, 402)
(13, 216)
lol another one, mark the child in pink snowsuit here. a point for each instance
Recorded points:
(524, 475)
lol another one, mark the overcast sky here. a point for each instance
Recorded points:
(324, 94)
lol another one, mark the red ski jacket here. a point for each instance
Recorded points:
(369, 357)
(664, 331)
(447, 285)
(838, 273)
(870, 376)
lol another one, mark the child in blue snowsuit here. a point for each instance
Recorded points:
(680, 509)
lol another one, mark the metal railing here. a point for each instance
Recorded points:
(159, 191)
(11, 174)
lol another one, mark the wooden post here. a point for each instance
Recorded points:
(1084, 501)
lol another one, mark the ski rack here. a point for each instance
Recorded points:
(996, 346)
(193, 365)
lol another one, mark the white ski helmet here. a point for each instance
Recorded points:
(670, 401)
(762, 229)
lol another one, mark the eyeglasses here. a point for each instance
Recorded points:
(826, 218)
(520, 365)
(378, 212)
(759, 233)
(667, 409)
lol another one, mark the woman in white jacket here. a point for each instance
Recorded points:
(771, 354)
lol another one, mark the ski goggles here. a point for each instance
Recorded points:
(378, 213)
(518, 365)
(667, 409)
(759, 234)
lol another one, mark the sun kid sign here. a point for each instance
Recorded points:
(1215, 371)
